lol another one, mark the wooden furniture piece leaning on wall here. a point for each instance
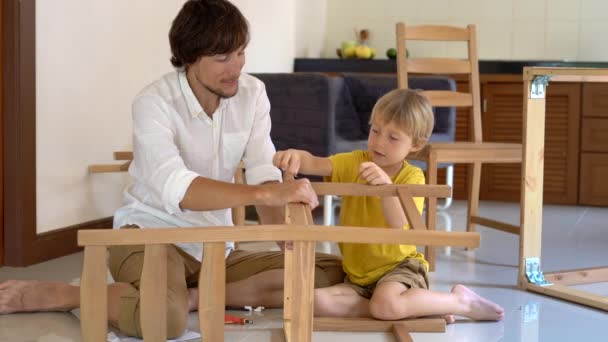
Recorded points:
(474, 152)
(555, 284)
(299, 266)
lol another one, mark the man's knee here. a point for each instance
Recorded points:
(177, 320)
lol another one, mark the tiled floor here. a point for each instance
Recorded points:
(573, 237)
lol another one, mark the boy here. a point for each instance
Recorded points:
(385, 281)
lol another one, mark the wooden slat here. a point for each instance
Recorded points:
(502, 226)
(436, 33)
(153, 313)
(465, 145)
(571, 295)
(440, 66)
(412, 214)
(401, 56)
(485, 155)
(123, 155)
(578, 276)
(106, 168)
(94, 295)
(532, 182)
(561, 74)
(372, 325)
(447, 98)
(431, 208)
(402, 333)
(275, 233)
(303, 285)
(351, 189)
(212, 292)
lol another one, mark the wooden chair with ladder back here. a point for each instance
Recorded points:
(474, 152)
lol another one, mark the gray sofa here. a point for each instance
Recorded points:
(329, 114)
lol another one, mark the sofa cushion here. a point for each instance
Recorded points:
(366, 89)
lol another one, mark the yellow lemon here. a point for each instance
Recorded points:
(363, 52)
(349, 52)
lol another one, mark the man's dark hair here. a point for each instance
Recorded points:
(206, 28)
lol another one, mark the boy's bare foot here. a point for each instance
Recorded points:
(34, 295)
(477, 307)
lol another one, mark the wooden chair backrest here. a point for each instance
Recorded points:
(444, 66)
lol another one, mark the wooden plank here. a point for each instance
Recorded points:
(372, 325)
(351, 189)
(447, 98)
(107, 168)
(431, 207)
(123, 155)
(212, 291)
(502, 226)
(578, 276)
(532, 182)
(303, 281)
(485, 155)
(401, 56)
(478, 146)
(275, 233)
(565, 74)
(571, 295)
(436, 33)
(440, 66)
(412, 214)
(402, 333)
(287, 330)
(94, 295)
(153, 290)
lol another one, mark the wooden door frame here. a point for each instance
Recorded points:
(22, 244)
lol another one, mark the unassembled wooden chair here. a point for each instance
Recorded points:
(474, 152)
(299, 266)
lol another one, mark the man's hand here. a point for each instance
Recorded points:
(296, 191)
(373, 174)
(288, 161)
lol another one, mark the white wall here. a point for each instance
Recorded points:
(507, 29)
(92, 57)
(311, 20)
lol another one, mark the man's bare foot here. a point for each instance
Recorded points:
(34, 295)
(477, 307)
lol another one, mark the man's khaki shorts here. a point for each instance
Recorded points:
(410, 272)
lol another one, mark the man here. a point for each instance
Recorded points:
(191, 128)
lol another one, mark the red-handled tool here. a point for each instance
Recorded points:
(230, 319)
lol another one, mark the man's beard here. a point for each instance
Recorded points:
(220, 93)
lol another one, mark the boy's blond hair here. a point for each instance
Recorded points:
(408, 110)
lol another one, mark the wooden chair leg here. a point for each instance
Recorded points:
(303, 281)
(94, 295)
(212, 292)
(153, 313)
(474, 180)
(431, 208)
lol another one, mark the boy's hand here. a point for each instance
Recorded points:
(288, 161)
(373, 174)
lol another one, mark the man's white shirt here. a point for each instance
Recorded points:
(175, 141)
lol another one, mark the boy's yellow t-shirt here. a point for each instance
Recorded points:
(367, 263)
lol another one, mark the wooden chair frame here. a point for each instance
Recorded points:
(299, 266)
(475, 152)
(531, 278)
